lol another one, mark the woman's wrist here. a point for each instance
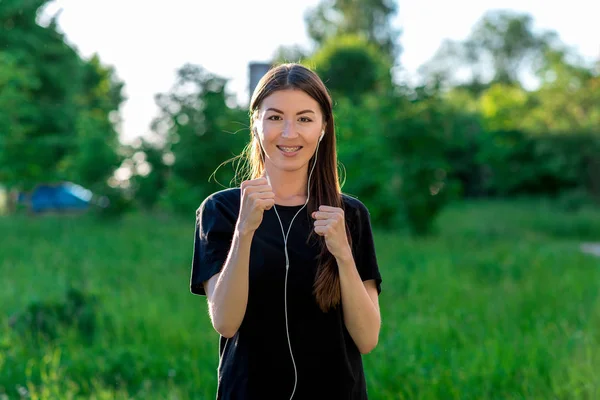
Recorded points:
(345, 258)
(243, 232)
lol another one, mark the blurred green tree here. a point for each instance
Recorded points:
(504, 106)
(56, 106)
(55, 71)
(352, 67)
(421, 131)
(97, 147)
(370, 18)
(568, 98)
(149, 183)
(17, 113)
(364, 158)
(501, 48)
(199, 128)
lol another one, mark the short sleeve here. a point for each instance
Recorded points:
(365, 256)
(213, 234)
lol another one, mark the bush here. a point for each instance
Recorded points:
(47, 320)
(574, 200)
(420, 136)
(351, 67)
(544, 165)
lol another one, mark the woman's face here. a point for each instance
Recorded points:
(289, 124)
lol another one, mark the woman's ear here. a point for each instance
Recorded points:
(323, 132)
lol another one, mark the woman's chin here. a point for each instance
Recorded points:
(290, 166)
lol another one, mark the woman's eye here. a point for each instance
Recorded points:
(274, 118)
(305, 119)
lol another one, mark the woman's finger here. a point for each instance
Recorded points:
(262, 195)
(266, 204)
(336, 210)
(320, 230)
(323, 215)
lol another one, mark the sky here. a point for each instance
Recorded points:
(146, 42)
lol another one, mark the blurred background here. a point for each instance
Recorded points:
(470, 130)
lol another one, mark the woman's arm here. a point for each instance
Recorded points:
(227, 291)
(360, 301)
(360, 304)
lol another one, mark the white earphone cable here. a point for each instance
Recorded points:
(287, 259)
(287, 266)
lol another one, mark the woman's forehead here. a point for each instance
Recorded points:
(290, 101)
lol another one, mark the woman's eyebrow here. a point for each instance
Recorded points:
(298, 113)
(305, 112)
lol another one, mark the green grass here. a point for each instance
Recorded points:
(501, 304)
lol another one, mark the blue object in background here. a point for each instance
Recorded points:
(63, 197)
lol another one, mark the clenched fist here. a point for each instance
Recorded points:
(330, 223)
(256, 197)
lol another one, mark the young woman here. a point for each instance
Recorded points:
(286, 261)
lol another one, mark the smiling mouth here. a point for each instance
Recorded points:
(289, 149)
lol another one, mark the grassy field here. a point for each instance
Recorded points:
(501, 304)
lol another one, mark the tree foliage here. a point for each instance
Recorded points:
(369, 18)
(407, 151)
(199, 131)
(352, 59)
(54, 119)
(501, 48)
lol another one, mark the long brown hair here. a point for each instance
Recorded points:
(325, 187)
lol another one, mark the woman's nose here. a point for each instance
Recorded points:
(289, 129)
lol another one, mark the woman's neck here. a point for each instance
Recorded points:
(289, 186)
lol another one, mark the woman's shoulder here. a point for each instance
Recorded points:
(225, 195)
(226, 199)
(354, 207)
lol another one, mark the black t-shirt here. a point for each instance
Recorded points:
(256, 362)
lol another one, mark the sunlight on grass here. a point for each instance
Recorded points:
(3, 200)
